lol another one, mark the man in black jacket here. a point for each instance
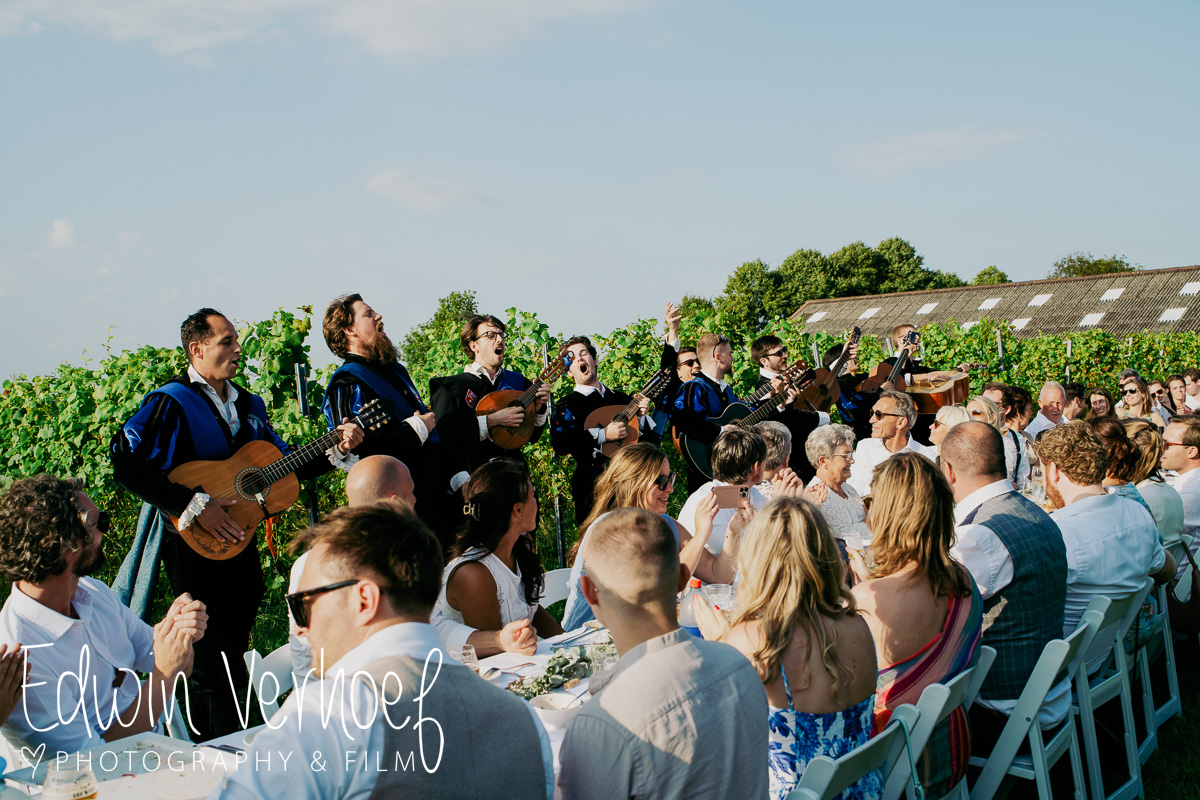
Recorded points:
(771, 356)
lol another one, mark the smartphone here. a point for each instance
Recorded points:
(730, 496)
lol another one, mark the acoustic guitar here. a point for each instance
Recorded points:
(514, 438)
(882, 373)
(825, 390)
(699, 454)
(260, 478)
(629, 413)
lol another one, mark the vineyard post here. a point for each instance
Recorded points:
(1068, 360)
(816, 356)
(559, 535)
(305, 411)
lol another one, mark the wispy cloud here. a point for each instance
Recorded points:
(62, 234)
(402, 27)
(426, 194)
(887, 158)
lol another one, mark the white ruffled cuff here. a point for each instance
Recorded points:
(343, 461)
(194, 509)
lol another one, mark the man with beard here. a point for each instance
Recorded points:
(354, 332)
(203, 415)
(454, 397)
(83, 645)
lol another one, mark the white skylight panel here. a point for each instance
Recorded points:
(1040, 300)
(1112, 294)
(989, 304)
(1091, 319)
(870, 312)
(1173, 314)
(1191, 287)
(968, 325)
(1020, 324)
(817, 317)
(925, 309)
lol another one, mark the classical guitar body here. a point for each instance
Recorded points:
(236, 478)
(929, 396)
(604, 415)
(698, 454)
(508, 438)
(878, 376)
(821, 393)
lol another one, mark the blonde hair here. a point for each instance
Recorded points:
(622, 484)
(792, 576)
(923, 532)
(991, 411)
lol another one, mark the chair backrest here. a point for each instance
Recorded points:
(937, 702)
(555, 586)
(1056, 663)
(278, 664)
(1118, 617)
(827, 778)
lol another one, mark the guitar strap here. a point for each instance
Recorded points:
(405, 405)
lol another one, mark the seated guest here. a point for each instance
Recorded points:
(1112, 543)
(1160, 399)
(496, 576)
(796, 617)
(778, 440)
(1135, 402)
(639, 476)
(982, 409)
(1016, 461)
(1166, 506)
(1191, 387)
(1075, 400)
(677, 716)
(737, 460)
(1122, 458)
(366, 595)
(831, 450)
(1051, 400)
(51, 540)
(892, 419)
(945, 419)
(1101, 402)
(1181, 453)
(1017, 558)
(922, 606)
(1177, 391)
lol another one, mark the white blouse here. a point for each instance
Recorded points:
(510, 591)
(846, 516)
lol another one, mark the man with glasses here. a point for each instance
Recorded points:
(51, 541)
(1191, 387)
(366, 593)
(1181, 453)
(892, 418)
(771, 356)
(1051, 400)
(454, 397)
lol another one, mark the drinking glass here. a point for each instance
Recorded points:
(465, 655)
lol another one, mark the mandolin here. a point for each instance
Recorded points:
(825, 390)
(514, 438)
(262, 480)
(617, 413)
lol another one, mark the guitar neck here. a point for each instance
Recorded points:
(527, 396)
(898, 367)
(281, 468)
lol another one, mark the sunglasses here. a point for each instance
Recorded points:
(663, 481)
(783, 351)
(1168, 445)
(298, 602)
(691, 362)
(102, 521)
(877, 414)
(1131, 390)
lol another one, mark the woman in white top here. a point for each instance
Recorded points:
(496, 577)
(830, 449)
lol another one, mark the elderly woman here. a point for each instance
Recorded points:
(830, 449)
(947, 417)
(923, 608)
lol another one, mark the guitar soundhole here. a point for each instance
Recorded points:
(251, 482)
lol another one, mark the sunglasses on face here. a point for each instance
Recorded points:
(299, 602)
(102, 521)
(783, 351)
(663, 481)
(691, 362)
(877, 414)
(1130, 390)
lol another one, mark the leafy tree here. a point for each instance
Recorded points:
(452, 311)
(990, 275)
(1076, 264)
(747, 293)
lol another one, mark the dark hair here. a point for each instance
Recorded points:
(583, 340)
(1007, 394)
(832, 355)
(1191, 372)
(339, 315)
(1107, 395)
(762, 345)
(1126, 374)
(1022, 401)
(40, 522)
(684, 349)
(976, 450)
(492, 492)
(1073, 391)
(1123, 455)
(196, 328)
(734, 454)
(388, 540)
(470, 330)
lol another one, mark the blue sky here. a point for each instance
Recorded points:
(584, 159)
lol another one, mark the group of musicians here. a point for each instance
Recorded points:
(202, 414)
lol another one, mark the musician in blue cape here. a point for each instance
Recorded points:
(354, 332)
(568, 433)
(771, 355)
(454, 397)
(201, 415)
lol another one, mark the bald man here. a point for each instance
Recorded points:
(627, 741)
(377, 478)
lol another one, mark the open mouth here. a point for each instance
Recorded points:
(583, 368)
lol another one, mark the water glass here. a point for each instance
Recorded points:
(601, 656)
(466, 656)
(719, 595)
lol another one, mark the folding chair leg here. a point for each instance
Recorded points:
(1148, 745)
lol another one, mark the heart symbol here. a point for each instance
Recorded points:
(34, 756)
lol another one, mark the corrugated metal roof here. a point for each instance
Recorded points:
(1139, 301)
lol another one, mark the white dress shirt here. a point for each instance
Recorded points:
(1191, 401)
(1188, 486)
(870, 453)
(103, 646)
(476, 368)
(687, 514)
(1042, 423)
(1016, 458)
(319, 717)
(822, 418)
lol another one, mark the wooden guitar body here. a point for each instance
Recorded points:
(929, 396)
(879, 376)
(698, 454)
(508, 438)
(238, 477)
(604, 415)
(821, 393)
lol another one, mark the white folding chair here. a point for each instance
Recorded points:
(555, 587)
(827, 778)
(277, 664)
(176, 722)
(1058, 660)
(1111, 681)
(1160, 644)
(937, 702)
